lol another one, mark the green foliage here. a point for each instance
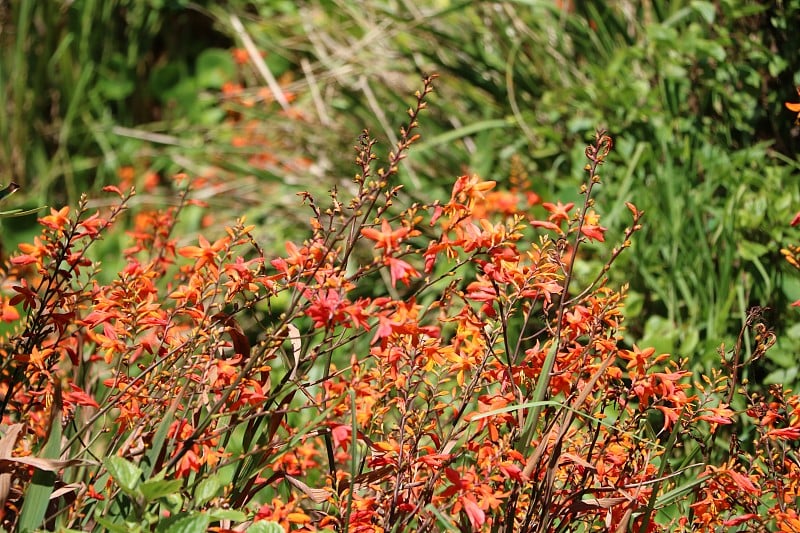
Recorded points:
(138, 507)
(37, 497)
(7, 191)
(93, 82)
(691, 90)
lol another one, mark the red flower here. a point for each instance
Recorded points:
(400, 270)
(594, 232)
(790, 433)
(558, 212)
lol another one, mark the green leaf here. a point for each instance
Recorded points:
(163, 79)
(149, 461)
(751, 251)
(153, 489)
(679, 492)
(109, 525)
(464, 131)
(173, 502)
(263, 526)
(793, 332)
(192, 522)
(37, 497)
(706, 10)
(227, 514)
(126, 474)
(277, 64)
(207, 489)
(20, 212)
(442, 520)
(790, 286)
(115, 89)
(781, 376)
(215, 67)
(660, 333)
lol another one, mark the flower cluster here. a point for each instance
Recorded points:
(426, 368)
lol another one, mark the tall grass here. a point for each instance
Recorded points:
(690, 89)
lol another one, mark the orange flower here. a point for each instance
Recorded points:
(240, 55)
(470, 188)
(719, 415)
(558, 212)
(638, 359)
(794, 107)
(399, 270)
(56, 220)
(205, 253)
(9, 313)
(790, 433)
(386, 238)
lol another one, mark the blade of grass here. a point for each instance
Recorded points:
(458, 133)
(673, 438)
(160, 437)
(37, 497)
(538, 403)
(20, 70)
(442, 520)
(625, 185)
(258, 61)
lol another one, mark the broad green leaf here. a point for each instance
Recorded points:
(679, 492)
(751, 251)
(109, 525)
(126, 474)
(464, 131)
(781, 376)
(442, 521)
(206, 490)
(215, 67)
(164, 79)
(173, 502)
(264, 526)
(158, 440)
(707, 10)
(227, 514)
(116, 88)
(192, 522)
(153, 489)
(539, 394)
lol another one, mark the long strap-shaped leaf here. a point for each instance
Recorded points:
(539, 394)
(37, 496)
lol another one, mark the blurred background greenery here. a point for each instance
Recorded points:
(266, 98)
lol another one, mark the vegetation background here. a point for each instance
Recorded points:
(693, 92)
(266, 99)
